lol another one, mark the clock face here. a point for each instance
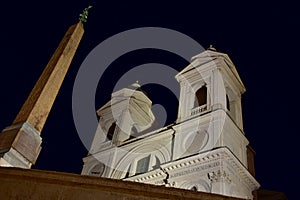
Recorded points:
(97, 170)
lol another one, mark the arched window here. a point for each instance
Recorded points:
(134, 133)
(128, 172)
(201, 97)
(227, 102)
(157, 163)
(111, 131)
(194, 188)
(142, 165)
(97, 170)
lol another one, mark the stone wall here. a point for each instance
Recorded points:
(16, 183)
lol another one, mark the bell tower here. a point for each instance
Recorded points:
(210, 82)
(210, 113)
(204, 150)
(126, 116)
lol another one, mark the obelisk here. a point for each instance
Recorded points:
(20, 143)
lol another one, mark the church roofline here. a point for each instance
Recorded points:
(217, 154)
(205, 58)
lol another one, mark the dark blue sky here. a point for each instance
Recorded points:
(262, 39)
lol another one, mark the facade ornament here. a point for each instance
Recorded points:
(211, 48)
(218, 176)
(83, 16)
(136, 85)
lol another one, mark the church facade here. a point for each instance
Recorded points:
(204, 150)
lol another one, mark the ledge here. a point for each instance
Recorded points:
(17, 183)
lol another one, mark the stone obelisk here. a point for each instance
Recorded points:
(20, 143)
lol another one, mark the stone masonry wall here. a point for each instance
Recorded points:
(30, 184)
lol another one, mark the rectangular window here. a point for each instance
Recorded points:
(142, 165)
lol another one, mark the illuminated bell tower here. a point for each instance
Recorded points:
(206, 148)
(126, 116)
(209, 129)
(210, 113)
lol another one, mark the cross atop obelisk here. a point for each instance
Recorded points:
(20, 143)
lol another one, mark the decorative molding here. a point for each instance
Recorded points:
(219, 176)
(157, 149)
(199, 109)
(84, 15)
(195, 169)
(214, 163)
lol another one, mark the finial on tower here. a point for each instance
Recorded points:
(211, 48)
(83, 16)
(136, 84)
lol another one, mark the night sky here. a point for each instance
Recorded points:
(262, 40)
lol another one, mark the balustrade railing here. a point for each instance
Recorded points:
(199, 109)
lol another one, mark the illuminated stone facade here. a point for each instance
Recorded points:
(204, 150)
